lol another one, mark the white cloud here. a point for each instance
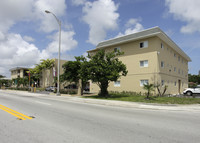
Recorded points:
(67, 42)
(133, 25)
(12, 11)
(78, 2)
(186, 11)
(15, 51)
(28, 39)
(101, 16)
(48, 22)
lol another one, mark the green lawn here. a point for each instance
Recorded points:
(140, 98)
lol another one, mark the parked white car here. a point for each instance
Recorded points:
(190, 91)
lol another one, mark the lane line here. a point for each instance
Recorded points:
(15, 113)
(42, 103)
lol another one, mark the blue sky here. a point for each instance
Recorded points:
(28, 34)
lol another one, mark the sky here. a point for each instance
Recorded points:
(28, 34)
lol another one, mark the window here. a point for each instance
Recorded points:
(144, 44)
(142, 82)
(175, 55)
(117, 84)
(175, 69)
(162, 46)
(179, 58)
(162, 82)
(162, 64)
(117, 49)
(144, 63)
(175, 83)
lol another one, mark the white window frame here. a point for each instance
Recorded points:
(117, 84)
(143, 81)
(144, 63)
(145, 44)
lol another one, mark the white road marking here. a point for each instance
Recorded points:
(42, 103)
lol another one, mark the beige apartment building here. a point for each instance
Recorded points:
(18, 72)
(48, 75)
(151, 57)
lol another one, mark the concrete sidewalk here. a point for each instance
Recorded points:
(78, 99)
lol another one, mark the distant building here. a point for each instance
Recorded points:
(18, 72)
(151, 57)
(48, 75)
(199, 72)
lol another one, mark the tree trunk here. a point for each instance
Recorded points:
(79, 87)
(159, 94)
(83, 87)
(148, 95)
(104, 89)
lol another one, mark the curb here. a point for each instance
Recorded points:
(140, 105)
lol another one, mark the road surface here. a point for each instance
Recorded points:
(57, 120)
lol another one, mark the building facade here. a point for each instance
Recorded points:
(18, 72)
(48, 75)
(150, 57)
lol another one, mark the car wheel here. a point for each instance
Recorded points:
(189, 93)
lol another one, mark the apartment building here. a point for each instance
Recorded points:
(18, 72)
(151, 57)
(48, 75)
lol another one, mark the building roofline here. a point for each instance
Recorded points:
(5, 78)
(18, 68)
(155, 31)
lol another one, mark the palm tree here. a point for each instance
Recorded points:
(47, 64)
(149, 88)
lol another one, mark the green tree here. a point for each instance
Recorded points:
(105, 68)
(75, 71)
(37, 71)
(1, 76)
(47, 64)
(194, 78)
(148, 87)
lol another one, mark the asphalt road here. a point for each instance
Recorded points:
(58, 120)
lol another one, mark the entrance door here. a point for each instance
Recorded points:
(179, 86)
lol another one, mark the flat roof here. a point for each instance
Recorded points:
(19, 68)
(155, 31)
(5, 78)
